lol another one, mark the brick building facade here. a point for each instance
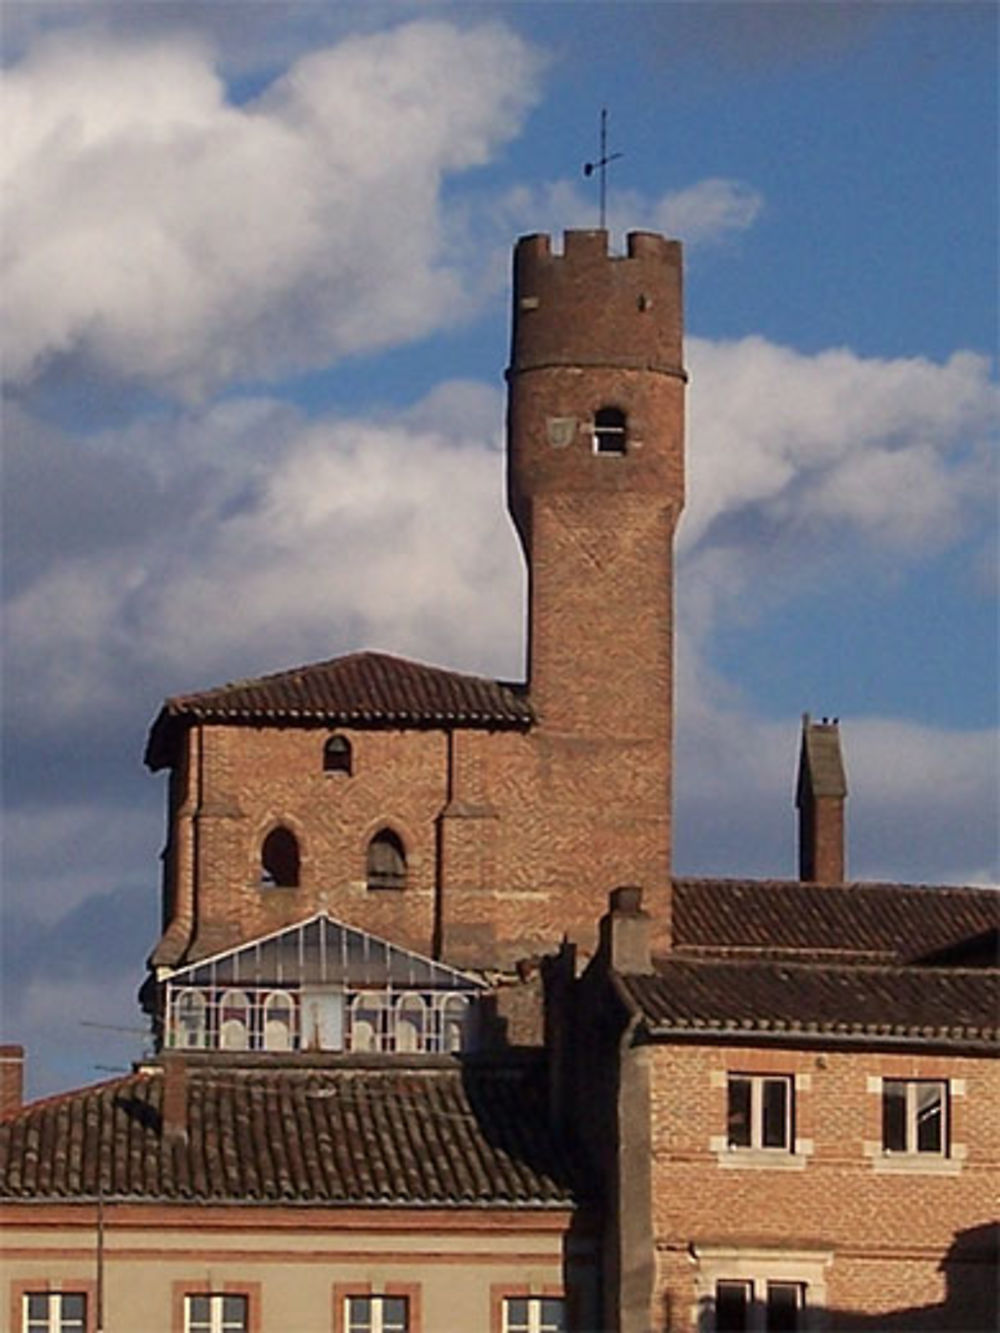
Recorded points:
(413, 1077)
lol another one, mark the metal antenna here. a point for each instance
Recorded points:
(601, 165)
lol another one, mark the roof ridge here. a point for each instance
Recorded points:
(372, 655)
(55, 1098)
(729, 881)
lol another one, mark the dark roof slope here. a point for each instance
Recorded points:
(444, 1136)
(949, 1007)
(362, 689)
(781, 918)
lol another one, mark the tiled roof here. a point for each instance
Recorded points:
(362, 689)
(442, 1136)
(877, 922)
(949, 1007)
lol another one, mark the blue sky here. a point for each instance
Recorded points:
(256, 276)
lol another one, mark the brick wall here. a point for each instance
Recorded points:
(886, 1234)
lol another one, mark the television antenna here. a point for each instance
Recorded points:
(601, 165)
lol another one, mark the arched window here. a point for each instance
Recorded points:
(189, 1020)
(234, 1010)
(410, 1023)
(278, 1019)
(386, 861)
(454, 1016)
(610, 431)
(279, 859)
(337, 755)
(366, 1021)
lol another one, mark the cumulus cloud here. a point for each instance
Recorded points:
(285, 539)
(163, 233)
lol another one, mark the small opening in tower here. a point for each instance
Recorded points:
(610, 431)
(279, 860)
(386, 867)
(337, 755)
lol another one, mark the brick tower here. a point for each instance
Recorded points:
(595, 487)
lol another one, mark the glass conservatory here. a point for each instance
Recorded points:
(321, 986)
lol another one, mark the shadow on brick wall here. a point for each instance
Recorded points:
(972, 1286)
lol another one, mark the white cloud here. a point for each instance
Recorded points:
(895, 451)
(282, 545)
(700, 214)
(163, 233)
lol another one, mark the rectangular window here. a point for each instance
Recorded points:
(216, 1313)
(534, 1314)
(755, 1306)
(915, 1116)
(376, 1314)
(55, 1312)
(759, 1111)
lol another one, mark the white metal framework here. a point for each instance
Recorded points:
(321, 985)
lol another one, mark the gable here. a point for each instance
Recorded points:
(323, 952)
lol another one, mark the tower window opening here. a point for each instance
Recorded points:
(386, 867)
(610, 431)
(279, 859)
(337, 755)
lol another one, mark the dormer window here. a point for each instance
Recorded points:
(279, 859)
(337, 755)
(610, 431)
(386, 868)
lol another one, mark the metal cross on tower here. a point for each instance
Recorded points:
(601, 165)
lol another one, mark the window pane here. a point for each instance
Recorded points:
(38, 1306)
(199, 1307)
(784, 1300)
(738, 1120)
(774, 1109)
(393, 1314)
(930, 1117)
(73, 1310)
(893, 1116)
(515, 1312)
(552, 1315)
(732, 1306)
(359, 1314)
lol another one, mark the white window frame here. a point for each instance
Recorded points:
(534, 1324)
(378, 1322)
(912, 1118)
(757, 1083)
(216, 1324)
(55, 1320)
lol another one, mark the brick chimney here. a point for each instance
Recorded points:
(625, 932)
(11, 1078)
(820, 795)
(173, 1112)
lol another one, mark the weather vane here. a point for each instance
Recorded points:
(601, 165)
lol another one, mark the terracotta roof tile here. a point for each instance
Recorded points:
(950, 1007)
(469, 1136)
(877, 922)
(362, 689)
